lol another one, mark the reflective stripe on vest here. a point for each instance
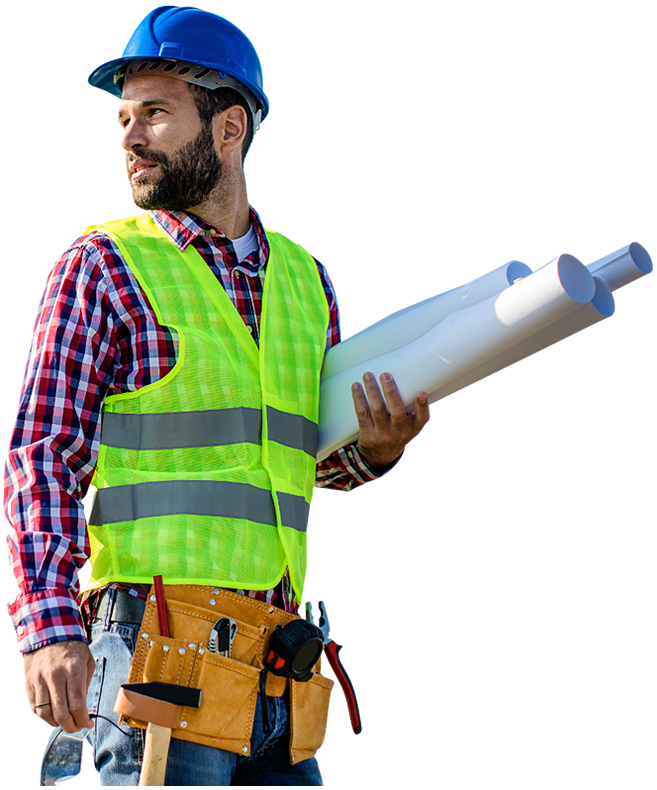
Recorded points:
(204, 428)
(197, 498)
(206, 475)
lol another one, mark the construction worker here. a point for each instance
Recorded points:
(188, 321)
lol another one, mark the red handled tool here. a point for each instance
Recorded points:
(332, 650)
(161, 604)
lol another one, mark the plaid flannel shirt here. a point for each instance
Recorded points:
(96, 335)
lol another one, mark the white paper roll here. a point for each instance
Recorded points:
(599, 308)
(454, 339)
(463, 340)
(623, 266)
(407, 325)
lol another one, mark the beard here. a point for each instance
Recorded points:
(188, 176)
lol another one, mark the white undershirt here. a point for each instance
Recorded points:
(246, 244)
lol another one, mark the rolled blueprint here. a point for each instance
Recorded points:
(454, 339)
(404, 326)
(623, 266)
(462, 341)
(600, 307)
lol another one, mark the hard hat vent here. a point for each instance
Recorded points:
(191, 72)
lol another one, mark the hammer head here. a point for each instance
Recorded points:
(159, 703)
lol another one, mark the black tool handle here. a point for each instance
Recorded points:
(332, 649)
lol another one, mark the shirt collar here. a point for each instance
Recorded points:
(182, 228)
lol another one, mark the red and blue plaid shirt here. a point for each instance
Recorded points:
(96, 335)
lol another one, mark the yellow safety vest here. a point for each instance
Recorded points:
(206, 476)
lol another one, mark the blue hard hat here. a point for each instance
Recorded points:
(196, 38)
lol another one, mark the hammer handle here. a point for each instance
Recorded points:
(156, 752)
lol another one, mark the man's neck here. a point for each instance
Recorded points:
(226, 210)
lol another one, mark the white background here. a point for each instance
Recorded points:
(495, 594)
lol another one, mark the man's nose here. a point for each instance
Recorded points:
(134, 135)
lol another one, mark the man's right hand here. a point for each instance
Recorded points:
(57, 678)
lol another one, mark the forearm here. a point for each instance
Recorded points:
(47, 546)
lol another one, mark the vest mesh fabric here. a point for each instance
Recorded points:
(224, 501)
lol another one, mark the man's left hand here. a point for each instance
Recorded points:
(385, 431)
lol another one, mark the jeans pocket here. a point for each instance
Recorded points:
(117, 750)
(96, 685)
(128, 632)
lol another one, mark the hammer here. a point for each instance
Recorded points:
(161, 705)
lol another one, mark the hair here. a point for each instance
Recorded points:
(213, 102)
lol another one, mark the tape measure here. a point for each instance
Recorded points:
(294, 649)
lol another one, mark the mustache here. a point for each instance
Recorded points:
(148, 155)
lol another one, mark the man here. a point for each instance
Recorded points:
(195, 314)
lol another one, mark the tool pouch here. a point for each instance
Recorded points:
(309, 704)
(229, 684)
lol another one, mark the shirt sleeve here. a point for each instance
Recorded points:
(344, 469)
(55, 442)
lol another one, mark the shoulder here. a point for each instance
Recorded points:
(91, 268)
(277, 238)
(94, 254)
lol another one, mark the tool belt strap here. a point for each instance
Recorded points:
(126, 608)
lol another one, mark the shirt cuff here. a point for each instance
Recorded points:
(345, 469)
(44, 617)
(375, 473)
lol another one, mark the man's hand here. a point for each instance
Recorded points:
(57, 678)
(384, 432)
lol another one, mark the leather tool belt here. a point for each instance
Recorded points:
(230, 684)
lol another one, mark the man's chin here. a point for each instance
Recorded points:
(146, 200)
(155, 205)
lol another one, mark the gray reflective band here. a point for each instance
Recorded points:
(217, 499)
(212, 428)
(292, 430)
(174, 430)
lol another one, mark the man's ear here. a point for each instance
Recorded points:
(229, 129)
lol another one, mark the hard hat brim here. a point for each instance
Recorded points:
(104, 77)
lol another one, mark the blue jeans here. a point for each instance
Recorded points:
(118, 756)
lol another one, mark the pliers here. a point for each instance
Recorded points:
(332, 649)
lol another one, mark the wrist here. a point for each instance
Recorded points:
(378, 466)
